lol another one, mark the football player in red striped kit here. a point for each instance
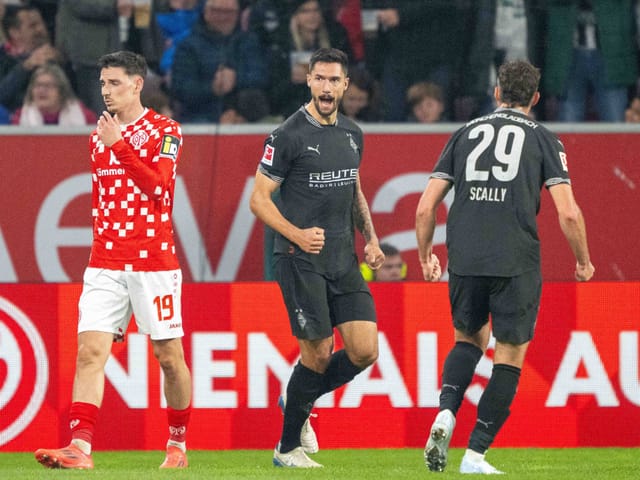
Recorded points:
(133, 266)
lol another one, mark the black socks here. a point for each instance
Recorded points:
(302, 391)
(304, 388)
(457, 373)
(493, 408)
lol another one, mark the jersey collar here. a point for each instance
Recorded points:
(313, 121)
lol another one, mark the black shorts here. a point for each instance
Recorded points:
(513, 303)
(317, 303)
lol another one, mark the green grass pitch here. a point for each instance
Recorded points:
(520, 463)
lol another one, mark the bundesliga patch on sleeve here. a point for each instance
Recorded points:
(267, 156)
(169, 147)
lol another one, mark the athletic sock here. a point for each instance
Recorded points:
(493, 408)
(82, 421)
(178, 421)
(339, 372)
(302, 390)
(457, 374)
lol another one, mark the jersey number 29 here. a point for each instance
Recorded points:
(507, 151)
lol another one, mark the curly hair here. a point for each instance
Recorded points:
(518, 81)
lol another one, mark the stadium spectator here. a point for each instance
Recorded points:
(50, 100)
(496, 31)
(426, 101)
(307, 30)
(48, 10)
(216, 61)
(349, 14)
(175, 25)
(133, 271)
(88, 29)
(361, 101)
(495, 280)
(394, 268)
(632, 113)
(418, 41)
(249, 106)
(266, 17)
(27, 47)
(592, 49)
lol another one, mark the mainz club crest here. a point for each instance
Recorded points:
(139, 138)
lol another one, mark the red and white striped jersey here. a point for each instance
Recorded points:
(132, 196)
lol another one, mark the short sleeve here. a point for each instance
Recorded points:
(555, 169)
(278, 156)
(444, 167)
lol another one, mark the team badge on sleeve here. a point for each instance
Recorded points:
(170, 146)
(267, 156)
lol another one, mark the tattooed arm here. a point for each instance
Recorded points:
(373, 256)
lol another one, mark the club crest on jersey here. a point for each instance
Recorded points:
(139, 138)
(169, 147)
(267, 156)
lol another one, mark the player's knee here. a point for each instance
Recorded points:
(90, 356)
(170, 360)
(170, 364)
(364, 358)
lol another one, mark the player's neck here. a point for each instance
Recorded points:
(519, 108)
(130, 114)
(322, 119)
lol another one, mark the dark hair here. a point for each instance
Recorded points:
(389, 250)
(132, 63)
(330, 55)
(11, 20)
(518, 81)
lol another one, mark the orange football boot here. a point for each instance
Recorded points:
(67, 457)
(175, 458)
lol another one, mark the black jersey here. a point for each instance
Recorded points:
(498, 164)
(317, 167)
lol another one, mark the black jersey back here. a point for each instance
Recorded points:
(317, 167)
(498, 164)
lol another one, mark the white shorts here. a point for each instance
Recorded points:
(109, 297)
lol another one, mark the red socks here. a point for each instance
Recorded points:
(82, 421)
(178, 421)
(83, 416)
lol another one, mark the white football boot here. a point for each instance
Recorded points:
(437, 448)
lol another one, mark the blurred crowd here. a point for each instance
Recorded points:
(235, 61)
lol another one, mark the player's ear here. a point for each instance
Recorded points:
(497, 94)
(535, 99)
(139, 83)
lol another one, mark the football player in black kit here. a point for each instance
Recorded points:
(498, 164)
(313, 159)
